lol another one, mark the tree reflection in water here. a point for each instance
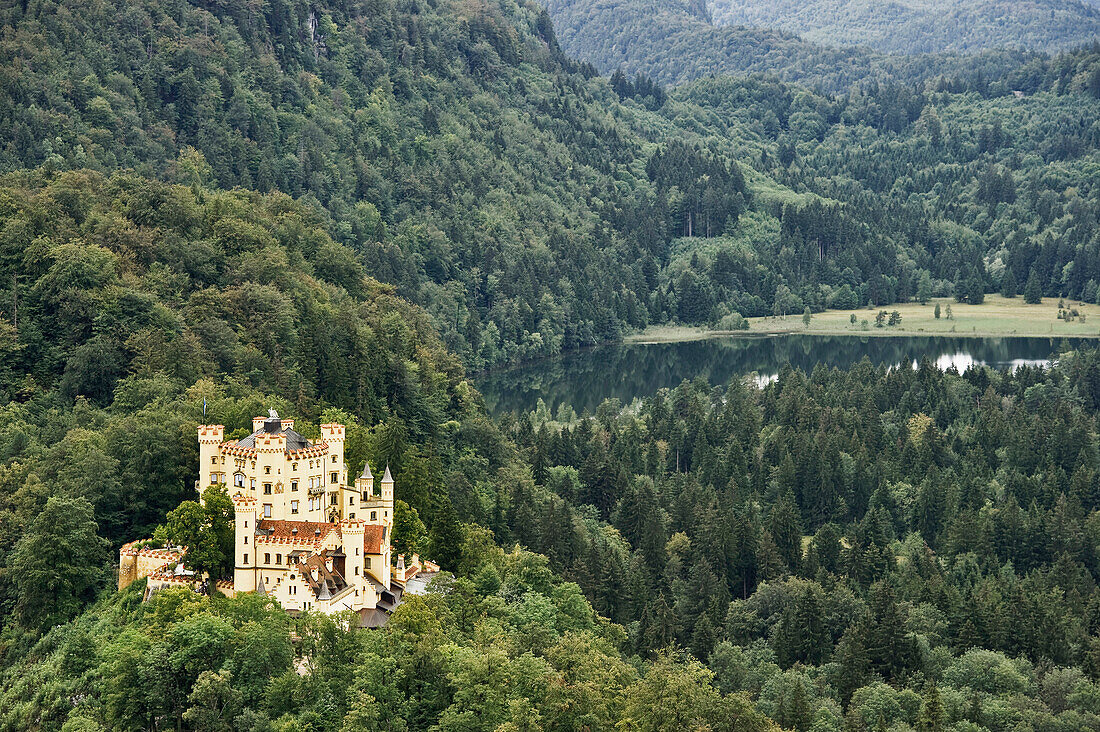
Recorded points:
(586, 378)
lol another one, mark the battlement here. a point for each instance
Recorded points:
(353, 525)
(211, 434)
(244, 503)
(332, 432)
(271, 442)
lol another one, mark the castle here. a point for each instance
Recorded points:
(303, 535)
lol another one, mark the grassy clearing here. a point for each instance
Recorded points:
(997, 316)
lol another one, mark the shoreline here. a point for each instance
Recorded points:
(997, 317)
(649, 338)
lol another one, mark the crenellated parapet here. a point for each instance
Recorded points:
(211, 434)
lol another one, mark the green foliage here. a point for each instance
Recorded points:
(919, 27)
(409, 533)
(206, 530)
(677, 41)
(58, 564)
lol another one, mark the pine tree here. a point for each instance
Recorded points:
(1008, 284)
(445, 537)
(890, 650)
(975, 291)
(785, 525)
(853, 666)
(932, 716)
(1033, 291)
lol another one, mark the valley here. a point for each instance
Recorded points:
(724, 366)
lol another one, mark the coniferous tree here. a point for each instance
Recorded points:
(1033, 291)
(932, 716)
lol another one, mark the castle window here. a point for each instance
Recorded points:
(357, 571)
(246, 541)
(252, 484)
(356, 551)
(368, 562)
(278, 559)
(267, 489)
(246, 524)
(238, 480)
(213, 477)
(333, 477)
(294, 507)
(334, 458)
(332, 499)
(352, 515)
(373, 515)
(294, 485)
(214, 460)
(267, 469)
(294, 466)
(351, 500)
(267, 558)
(267, 510)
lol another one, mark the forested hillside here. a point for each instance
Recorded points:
(677, 41)
(340, 209)
(881, 548)
(921, 26)
(983, 189)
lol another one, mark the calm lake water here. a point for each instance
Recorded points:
(585, 378)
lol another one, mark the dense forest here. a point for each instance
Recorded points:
(677, 41)
(532, 207)
(342, 209)
(861, 549)
(981, 188)
(921, 26)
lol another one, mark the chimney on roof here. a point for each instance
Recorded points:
(316, 532)
(294, 531)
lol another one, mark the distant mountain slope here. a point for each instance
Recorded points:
(676, 41)
(921, 26)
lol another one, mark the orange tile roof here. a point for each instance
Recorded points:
(282, 531)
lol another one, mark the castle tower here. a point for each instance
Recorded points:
(333, 436)
(211, 469)
(270, 461)
(387, 497)
(352, 531)
(365, 483)
(244, 561)
(339, 500)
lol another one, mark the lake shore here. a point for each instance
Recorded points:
(996, 317)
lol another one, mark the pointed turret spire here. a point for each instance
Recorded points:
(260, 587)
(367, 475)
(323, 593)
(387, 478)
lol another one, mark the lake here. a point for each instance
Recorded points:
(584, 379)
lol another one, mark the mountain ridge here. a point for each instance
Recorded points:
(921, 26)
